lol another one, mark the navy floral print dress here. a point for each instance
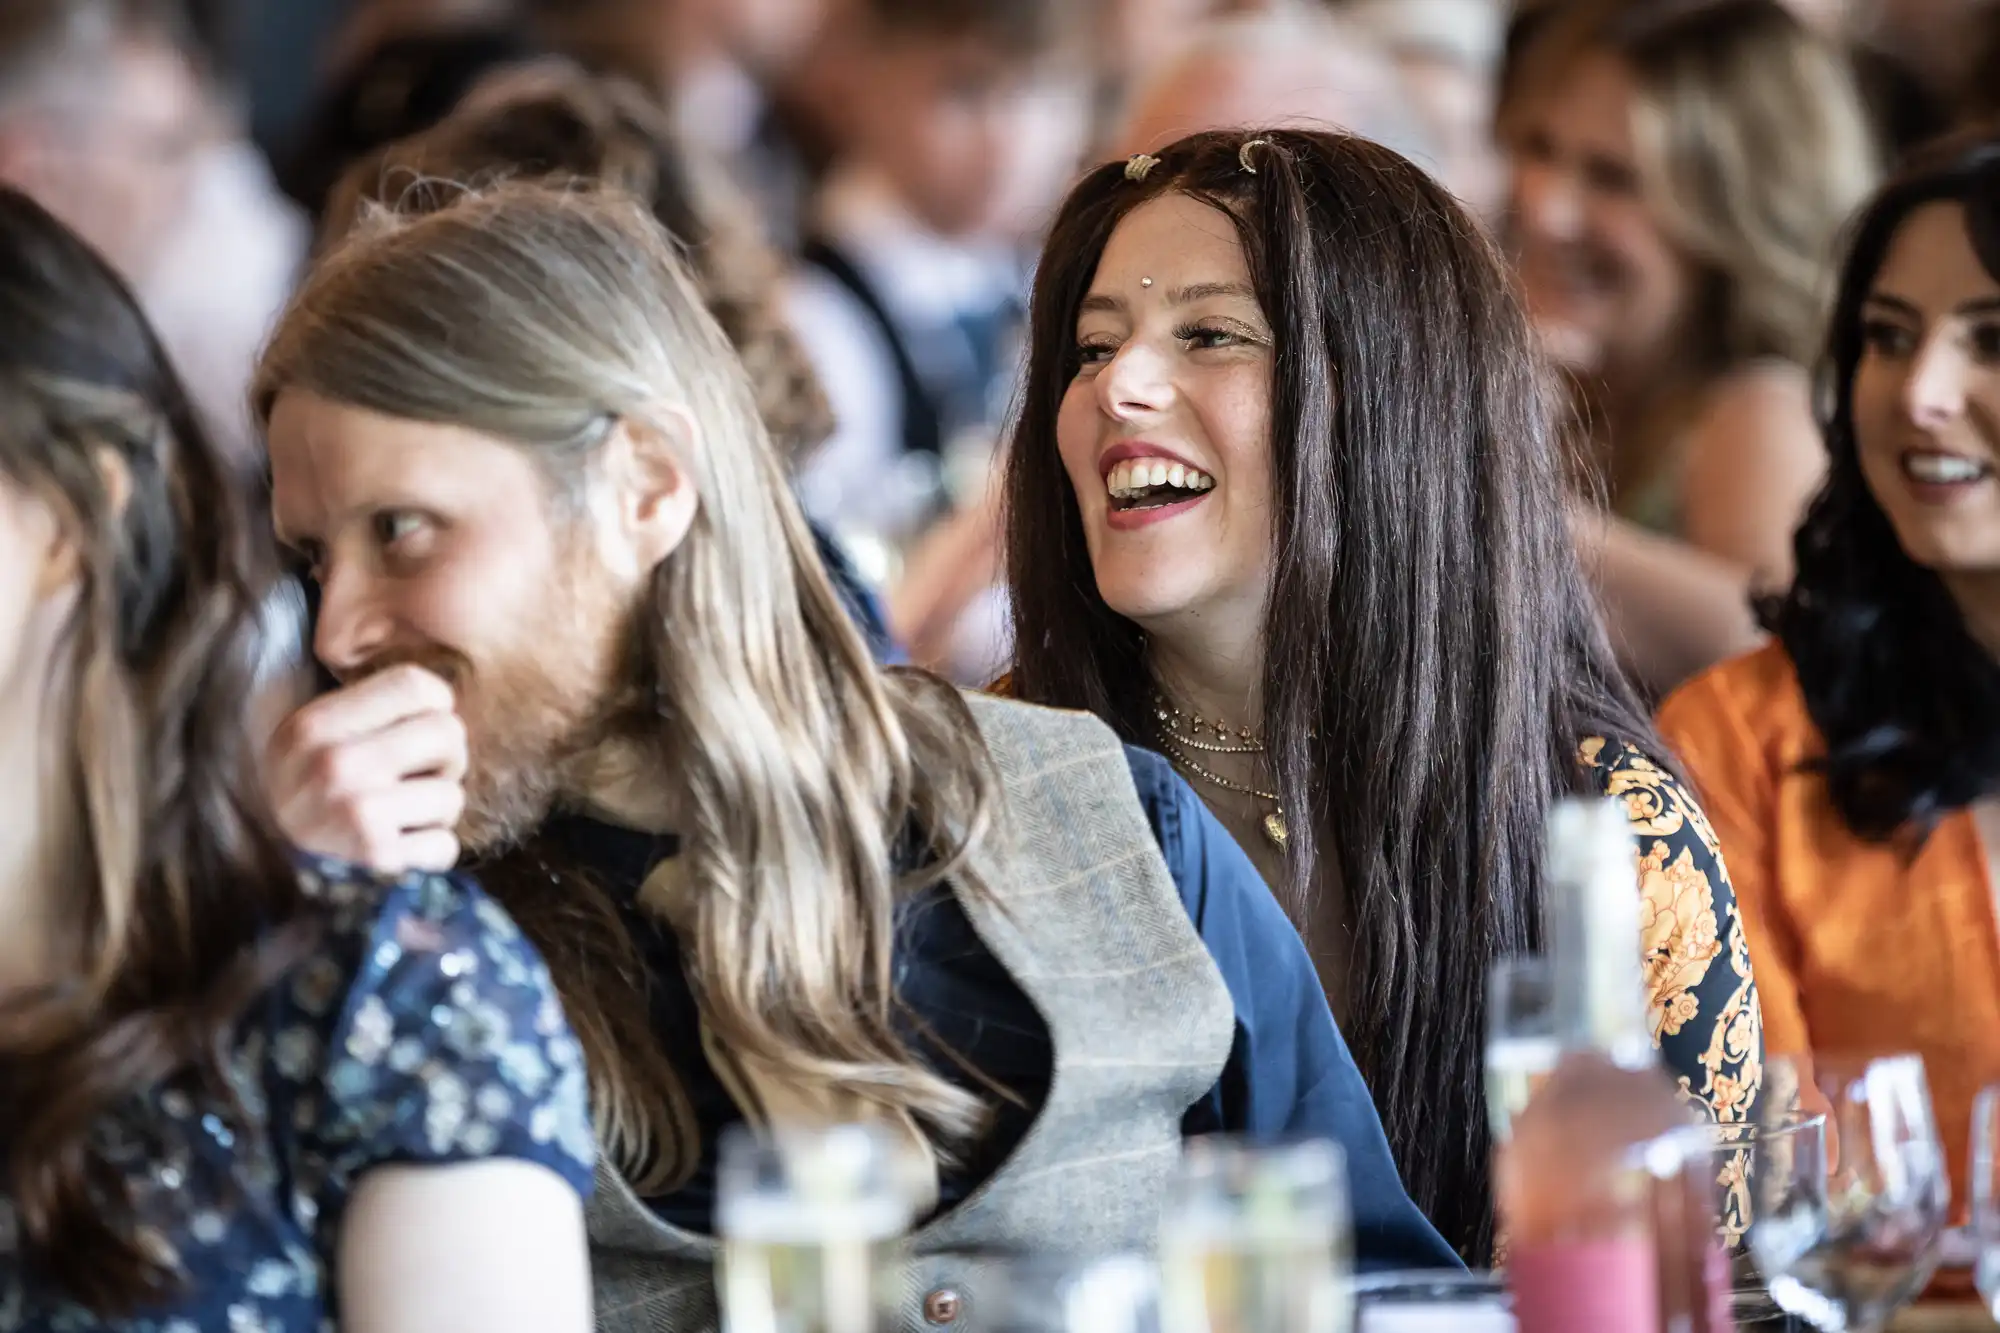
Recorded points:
(425, 1030)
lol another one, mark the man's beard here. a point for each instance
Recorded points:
(533, 717)
(525, 725)
(529, 729)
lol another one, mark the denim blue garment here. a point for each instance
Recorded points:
(1289, 1074)
(424, 1029)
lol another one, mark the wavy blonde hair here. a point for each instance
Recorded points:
(1753, 148)
(801, 768)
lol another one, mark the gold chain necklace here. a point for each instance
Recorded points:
(1180, 732)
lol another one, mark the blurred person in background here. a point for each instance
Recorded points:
(103, 120)
(1131, 39)
(1931, 38)
(1679, 176)
(370, 25)
(742, 80)
(1852, 767)
(910, 301)
(1449, 55)
(1290, 66)
(238, 1087)
(110, 119)
(223, 271)
(1285, 67)
(403, 84)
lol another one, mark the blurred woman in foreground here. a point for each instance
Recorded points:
(230, 1080)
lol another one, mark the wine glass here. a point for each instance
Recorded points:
(1850, 1189)
(1731, 1174)
(1257, 1236)
(1985, 1222)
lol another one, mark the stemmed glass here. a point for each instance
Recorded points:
(1851, 1193)
(1985, 1222)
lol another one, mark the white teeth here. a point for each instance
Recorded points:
(1126, 480)
(1941, 469)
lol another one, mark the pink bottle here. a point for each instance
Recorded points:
(1601, 1186)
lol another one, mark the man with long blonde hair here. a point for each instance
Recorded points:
(584, 640)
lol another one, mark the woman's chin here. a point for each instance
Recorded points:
(1147, 599)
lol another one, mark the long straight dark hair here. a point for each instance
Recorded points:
(185, 899)
(1440, 658)
(1905, 699)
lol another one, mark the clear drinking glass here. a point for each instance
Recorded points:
(1849, 1188)
(1257, 1239)
(1732, 1170)
(1050, 1292)
(1985, 1222)
(810, 1222)
(1521, 1043)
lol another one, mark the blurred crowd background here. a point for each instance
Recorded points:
(863, 182)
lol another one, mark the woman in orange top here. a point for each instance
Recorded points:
(1852, 768)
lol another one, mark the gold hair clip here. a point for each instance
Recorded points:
(1243, 154)
(1138, 165)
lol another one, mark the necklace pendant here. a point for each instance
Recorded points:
(1274, 828)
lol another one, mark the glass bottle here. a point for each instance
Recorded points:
(1602, 1184)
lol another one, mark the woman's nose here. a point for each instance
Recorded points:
(1135, 382)
(1934, 393)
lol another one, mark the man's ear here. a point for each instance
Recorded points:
(650, 485)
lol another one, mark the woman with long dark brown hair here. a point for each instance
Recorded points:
(1286, 504)
(237, 1088)
(1853, 764)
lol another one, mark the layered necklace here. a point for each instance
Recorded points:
(1183, 736)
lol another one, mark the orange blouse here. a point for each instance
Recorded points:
(1857, 946)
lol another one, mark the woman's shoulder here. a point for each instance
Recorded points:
(371, 920)
(1701, 999)
(1755, 394)
(1760, 407)
(1655, 798)
(424, 1027)
(1659, 805)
